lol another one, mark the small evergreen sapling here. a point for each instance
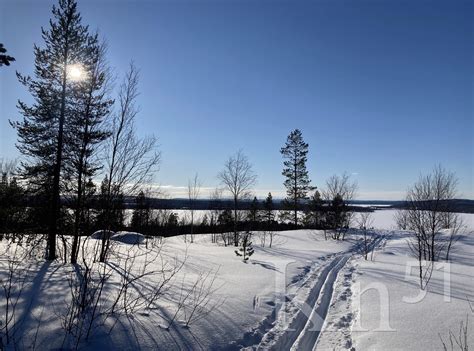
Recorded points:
(246, 249)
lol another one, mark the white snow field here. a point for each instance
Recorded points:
(303, 293)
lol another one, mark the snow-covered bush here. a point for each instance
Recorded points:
(101, 234)
(130, 238)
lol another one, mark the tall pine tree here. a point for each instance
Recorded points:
(41, 133)
(87, 132)
(297, 181)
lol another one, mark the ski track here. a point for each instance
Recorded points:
(309, 335)
(306, 325)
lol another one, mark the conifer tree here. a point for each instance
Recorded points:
(4, 58)
(12, 204)
(92, 106)
(314, 215)
(269, 208)
(142, 212)
(173, 220)
(254, 212)
(111, 210)
(205, 221)
(246, 249)
(45, 124)
(297, 182)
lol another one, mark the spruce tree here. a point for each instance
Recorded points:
(246, 249)
(254, 212)
(45, 124)
(4, 58)
(297, 181)
(269, 209)
(225, 219)
(12, 204)
(142, 213)
(314, 215)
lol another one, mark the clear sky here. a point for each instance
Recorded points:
(382, 89)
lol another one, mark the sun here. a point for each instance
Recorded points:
(75, 72)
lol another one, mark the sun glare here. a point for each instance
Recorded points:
(76, 72)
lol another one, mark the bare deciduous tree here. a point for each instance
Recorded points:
(365, 222)
(215, 211)
(131, 160)
(427, 202)
(455, 226)
(238, 178)
(339, 191)
(401, 219)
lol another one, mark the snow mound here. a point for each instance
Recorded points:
(101, 234)
(130, 238)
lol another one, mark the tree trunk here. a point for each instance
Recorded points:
(56, 200)
(236, 237)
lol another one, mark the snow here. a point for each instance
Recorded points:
(130, 238)
(415, 324)
(301, 293)
(378, 304)
(384, 219)
(100, 234)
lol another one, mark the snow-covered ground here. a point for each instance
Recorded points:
(303, 292)
(384, 219)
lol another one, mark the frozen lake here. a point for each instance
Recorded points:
(383, 219)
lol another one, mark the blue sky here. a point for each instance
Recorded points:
(382, 89)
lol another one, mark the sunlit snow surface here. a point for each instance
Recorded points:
(301, 269)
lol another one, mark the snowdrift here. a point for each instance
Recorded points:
(130, 238)
(101, 234)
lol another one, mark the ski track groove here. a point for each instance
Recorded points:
(286, 340)
(303, 332)
(310, 333)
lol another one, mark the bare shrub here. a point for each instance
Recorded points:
(103, 293)
(198, 300)
(19, 254)
(365, 222)
(202, 300)
(459, 341)
(428, 201)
